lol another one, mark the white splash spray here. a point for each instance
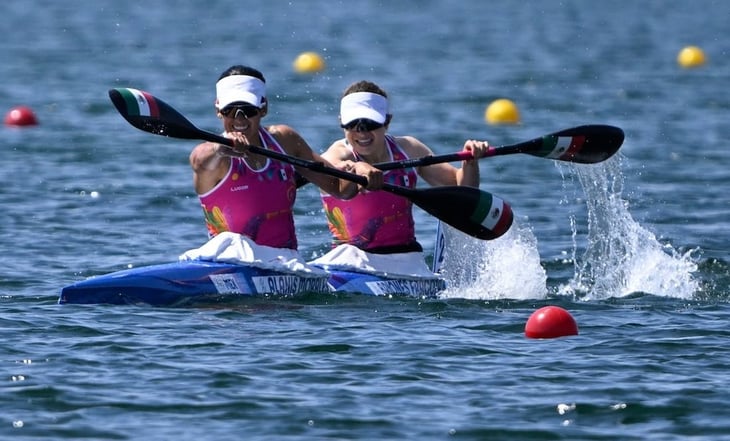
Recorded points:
(504, 268)
(622, 257)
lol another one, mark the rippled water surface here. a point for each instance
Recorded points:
(636, 248)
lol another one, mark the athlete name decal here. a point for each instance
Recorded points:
(412, 287)
(289, 284)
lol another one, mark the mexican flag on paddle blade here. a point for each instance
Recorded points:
(561, 147)
(139, 103)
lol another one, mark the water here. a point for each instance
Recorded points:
(635, 248)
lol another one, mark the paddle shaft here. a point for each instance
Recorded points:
(304, 163)
(587, 144)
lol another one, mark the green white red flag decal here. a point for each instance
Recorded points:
(493, 213)
(562, 147)
(139, 103)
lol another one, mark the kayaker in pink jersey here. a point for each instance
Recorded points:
(379, 222)
(250, 194)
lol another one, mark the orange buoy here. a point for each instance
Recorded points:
(550, 322)
(21, 116)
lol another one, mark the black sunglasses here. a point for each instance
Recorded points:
(247, 110)
(362, 125)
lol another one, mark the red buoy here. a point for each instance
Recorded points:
(550, 322)
(20, 116)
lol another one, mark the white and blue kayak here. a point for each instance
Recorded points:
(225, 268)
(186, 281)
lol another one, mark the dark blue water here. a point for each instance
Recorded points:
(636, 248)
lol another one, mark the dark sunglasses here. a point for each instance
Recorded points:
(248, 111)
(362, 125)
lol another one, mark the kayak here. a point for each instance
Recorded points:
(190, 281)
(230, 265)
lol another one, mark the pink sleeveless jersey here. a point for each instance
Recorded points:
(378, 218)
(255, 203)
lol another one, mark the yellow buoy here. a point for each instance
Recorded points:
(502, 111)
(308, 62)
(691, 56)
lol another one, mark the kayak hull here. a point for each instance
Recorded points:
(185, 281)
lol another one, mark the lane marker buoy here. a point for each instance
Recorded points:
(691, 56)
(550, 322)
(21, 116)
(502, 111)
(309, 62)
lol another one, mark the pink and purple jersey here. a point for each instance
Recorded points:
(255, 203)
(375, 219)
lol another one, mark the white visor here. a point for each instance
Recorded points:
(239, 88)
(363, 105)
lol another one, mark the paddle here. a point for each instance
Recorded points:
(587, 144)
(470, 210)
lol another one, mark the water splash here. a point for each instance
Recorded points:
(621, 256)
(486, 270)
